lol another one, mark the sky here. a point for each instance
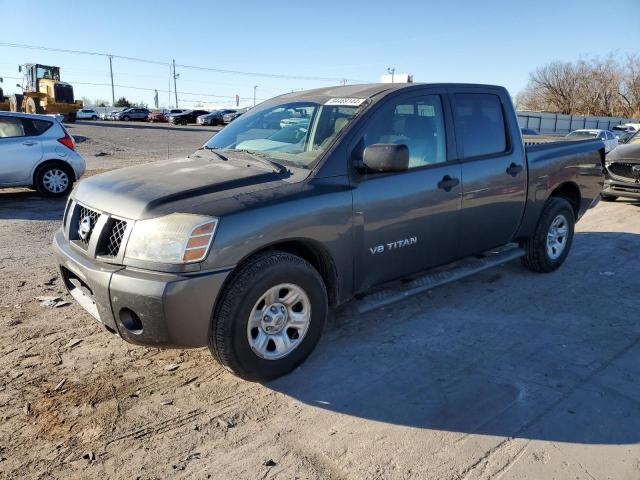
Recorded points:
(482, 41)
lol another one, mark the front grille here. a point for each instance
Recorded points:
(625, 170)
(84, 212)
(63, 93)
(116, 233)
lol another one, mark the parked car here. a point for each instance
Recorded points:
(161, 115)
(214, 118)
(609, 139)
(623, 171)
(86, 114)
(188, 116)
(528, 131)
(231, 116)
(251, 246)
(133, 113)
(36, 150)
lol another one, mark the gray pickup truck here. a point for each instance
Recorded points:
(310, 200)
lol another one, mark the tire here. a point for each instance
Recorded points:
(15, 103)
(33, 105)
(54, 180)
(236, 346)
(557, 217)
(126, 118)
(608, 198)
(94, 118)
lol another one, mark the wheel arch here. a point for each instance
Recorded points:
(571, 193)
(313, 252)
(53, 161)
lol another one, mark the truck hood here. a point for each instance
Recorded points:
(189, 185)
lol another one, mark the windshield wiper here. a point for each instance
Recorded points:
(214, 151)
(263, 158)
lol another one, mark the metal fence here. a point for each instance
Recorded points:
(543, 122)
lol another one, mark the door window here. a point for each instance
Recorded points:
(417, 123)
(11, 127)
(480, 124)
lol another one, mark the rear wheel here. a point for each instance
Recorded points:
(551, 242)
(54, 180)
(15, 103)
(33, 105)
(269, 317)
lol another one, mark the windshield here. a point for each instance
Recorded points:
(583, 134)
(635, 140)
(294, 133)
(52, 73)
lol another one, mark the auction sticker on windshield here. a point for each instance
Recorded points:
(350, 102)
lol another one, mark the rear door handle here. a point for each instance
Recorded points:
(447, 183)
(514, 169)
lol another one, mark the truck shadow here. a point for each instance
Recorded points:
(26, 204)
(506, 352)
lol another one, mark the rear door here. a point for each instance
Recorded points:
(20, 150)
(494, 173)
(407, 221)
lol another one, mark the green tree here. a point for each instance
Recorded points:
(122, 102)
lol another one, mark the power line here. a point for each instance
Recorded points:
(132, 87)
(191, 67)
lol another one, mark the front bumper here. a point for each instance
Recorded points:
(143, 307)
(621, 189)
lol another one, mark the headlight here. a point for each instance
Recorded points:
(176, 238)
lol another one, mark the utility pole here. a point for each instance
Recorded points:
(113, 95)
(255, 87)
(175, 77)
(392, 71)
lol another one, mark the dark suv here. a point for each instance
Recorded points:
(188, 116)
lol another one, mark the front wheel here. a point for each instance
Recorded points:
(269, 317)
(608, 198)
(552, 239)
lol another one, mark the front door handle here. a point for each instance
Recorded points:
(447, 183)
(29, 143)
(514, 169)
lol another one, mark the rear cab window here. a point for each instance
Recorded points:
(480, 124)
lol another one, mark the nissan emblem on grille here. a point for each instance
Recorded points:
(84, 227)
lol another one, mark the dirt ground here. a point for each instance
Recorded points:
(507, 374)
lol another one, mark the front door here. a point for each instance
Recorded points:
(19, 153)
(407, 221)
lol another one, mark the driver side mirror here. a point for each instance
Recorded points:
(386, 157)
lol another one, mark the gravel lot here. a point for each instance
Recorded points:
(507, 374)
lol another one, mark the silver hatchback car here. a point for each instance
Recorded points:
(36, 150)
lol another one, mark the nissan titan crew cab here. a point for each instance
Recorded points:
(308, 200)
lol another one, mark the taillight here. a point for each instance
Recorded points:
(67, 141)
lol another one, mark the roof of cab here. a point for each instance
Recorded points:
(370, 90)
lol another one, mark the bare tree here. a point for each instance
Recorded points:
(601, 87)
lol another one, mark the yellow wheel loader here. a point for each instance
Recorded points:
(4, 102)
(43, 92)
